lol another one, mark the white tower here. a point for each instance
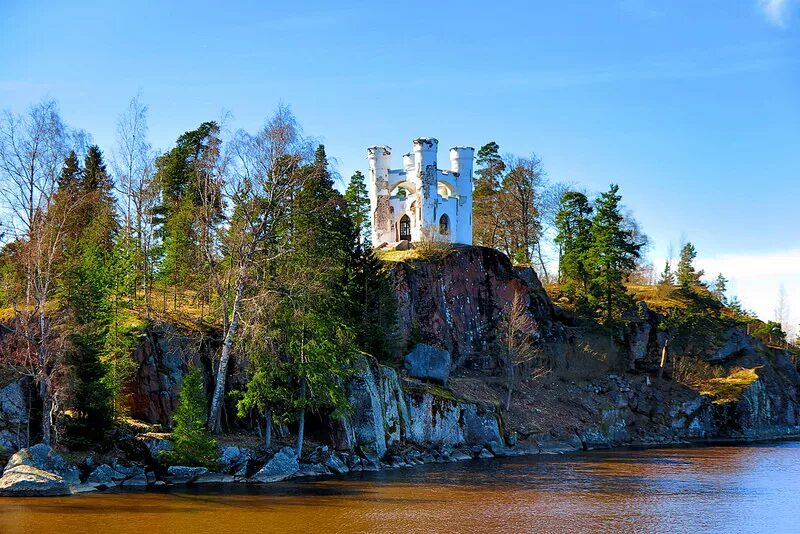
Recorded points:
(379, 157)
(436, 205)
(461, 167)
(425, 149)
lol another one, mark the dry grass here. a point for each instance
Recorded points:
(729, 388)
(397, 255)
(424, 250)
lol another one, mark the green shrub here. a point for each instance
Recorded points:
(193, 444)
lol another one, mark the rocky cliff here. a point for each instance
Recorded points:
(441, 399)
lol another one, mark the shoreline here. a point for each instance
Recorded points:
(220, 480)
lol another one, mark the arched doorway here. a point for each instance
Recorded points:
(444, 225)
(405, 228)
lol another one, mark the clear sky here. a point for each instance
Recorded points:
(691, 106)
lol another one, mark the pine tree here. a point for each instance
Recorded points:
(612, 255)
(190, 207)
(687, 275)
(720, 287)
(488, 177)
(358, 207)
(574, 225)
(193, 444)
(667, 276)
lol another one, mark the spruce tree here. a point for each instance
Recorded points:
(687, 275)
(720, 287)
(70, 172)
(193, 445)
(358, 207)
(667, 276)
(574, 225)
(612, 255)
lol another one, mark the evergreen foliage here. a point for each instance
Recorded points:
(574, 225)
(193, 445)
(357, 199)
(687, 275)
(611, 257)
(720, 288)
(667, 276)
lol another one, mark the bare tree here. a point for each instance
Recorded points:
(517, 334)
(783, 312)
(521, 225)
(261, 185)
(32, 148)
(134, 165)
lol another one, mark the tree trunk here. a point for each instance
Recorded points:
(222, 370)
(267, 429)
(663, 362)
(47, 411)
(541, 262)
(301, 423)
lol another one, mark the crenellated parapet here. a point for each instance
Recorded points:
(421, 201)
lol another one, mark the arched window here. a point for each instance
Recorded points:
(444, 225)
(405, 228)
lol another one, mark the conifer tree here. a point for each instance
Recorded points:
(488, 177)
(687, 275)
(612, 255)
(574, 224)
(720, 288)
(190, 206)
(667, 276)
(357, 200)
(193, 444)
(70, 172)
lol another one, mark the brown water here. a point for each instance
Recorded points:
(711, 489)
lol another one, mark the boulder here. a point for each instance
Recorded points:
(155, 445)
(232, 459)
(370, 461)
(311, 470)
(460, 456)
(43, 458)
(24, 480)
(280, 467)
(215, 478)
(335, 464)
(104, 476)
(485, 454)
(137, 480)
(181, 474)
(429, 363)
(13, 416)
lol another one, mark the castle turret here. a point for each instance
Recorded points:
(379, 158)
(461, 158)
(426, 177)
(408, 162)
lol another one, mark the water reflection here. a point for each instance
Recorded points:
(712, 489)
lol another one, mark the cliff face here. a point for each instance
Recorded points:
(602, 390)
(588, 389)
(455, 304)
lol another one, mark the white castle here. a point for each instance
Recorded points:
(420, 201)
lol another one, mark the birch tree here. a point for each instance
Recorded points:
(134, 166)
(262, 181)
(32, 148)
(517, 335)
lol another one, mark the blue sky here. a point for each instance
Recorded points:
(692, 106)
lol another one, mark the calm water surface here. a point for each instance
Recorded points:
(711, 489)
